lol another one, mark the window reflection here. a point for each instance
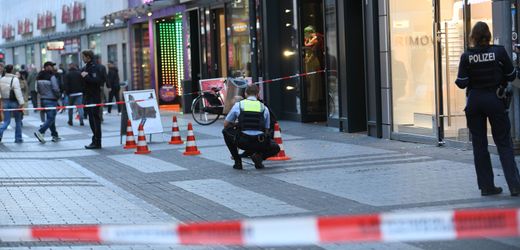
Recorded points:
(412, 65)
(239, 47)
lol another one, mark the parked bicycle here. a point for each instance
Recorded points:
(209, 105)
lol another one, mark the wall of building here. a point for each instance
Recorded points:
(95, 10)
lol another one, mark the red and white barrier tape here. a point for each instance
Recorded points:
(291, 77)
(82, 106)
(123, 102)
(385, 227)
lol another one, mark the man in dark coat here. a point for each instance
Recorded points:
(113, 86)
(91, 73)
(74, 85)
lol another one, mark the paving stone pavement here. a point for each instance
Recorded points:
(330, 173)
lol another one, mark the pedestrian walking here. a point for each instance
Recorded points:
(49, 90)
(113, 86)
(93, 80)
(12, 98)
(250, 133)
(483, 70)
(74, 85)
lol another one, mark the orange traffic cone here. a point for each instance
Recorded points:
(176, 136)
(130, 139)
(191, 147)
(142, 148)
(278, 139)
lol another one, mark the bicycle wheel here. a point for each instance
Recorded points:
(203, 113)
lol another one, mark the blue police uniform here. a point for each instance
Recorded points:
(482, 71)
(249, 134)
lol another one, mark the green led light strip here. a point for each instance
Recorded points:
(172, 53)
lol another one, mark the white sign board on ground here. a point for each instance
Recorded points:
(148, 109)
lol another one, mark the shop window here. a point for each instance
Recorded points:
(29, 55)
(141, 50)
(412, 64)
(288, 41)
(125, 61)
(239, 46)
(332, 58)
(94, 43)
(112, 53)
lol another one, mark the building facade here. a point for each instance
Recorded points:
(59, 30)
(389, 65)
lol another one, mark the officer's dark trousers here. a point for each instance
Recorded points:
(94, 119)
(483, 104)
(235, 140)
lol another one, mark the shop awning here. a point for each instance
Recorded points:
(141, 10)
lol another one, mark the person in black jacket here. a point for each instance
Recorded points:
(91, 74)
(113, 86)
(485, 70)
(103, 78)
(74, 85)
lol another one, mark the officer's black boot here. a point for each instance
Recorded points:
(257, 159)
(490, 191)
(515, 191)
(238, 163)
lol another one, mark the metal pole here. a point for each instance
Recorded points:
(252, 35)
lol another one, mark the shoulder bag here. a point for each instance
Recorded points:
(12, 95)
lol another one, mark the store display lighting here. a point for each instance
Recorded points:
(288, 53)
(171, 53)
(149, 11)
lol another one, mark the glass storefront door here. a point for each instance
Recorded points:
(450, 38)
(426, 101)
(454, 23)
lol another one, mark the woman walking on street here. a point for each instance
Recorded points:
(10, 84)
(485, 70)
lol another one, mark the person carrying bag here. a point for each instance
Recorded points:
(12, 98)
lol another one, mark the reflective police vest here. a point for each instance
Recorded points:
(251, 115)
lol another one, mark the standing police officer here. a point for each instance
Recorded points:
(484, 69)
(250, 133)
(92, 75)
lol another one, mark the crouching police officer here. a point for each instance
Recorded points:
(250, 132)
(485, 70)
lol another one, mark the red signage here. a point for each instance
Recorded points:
(24, 26)
(20, 27)
(28, 26)
(66, 14)
(46, 20)
(7, 31)
(72, 13)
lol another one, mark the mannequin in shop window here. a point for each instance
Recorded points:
(313, 61)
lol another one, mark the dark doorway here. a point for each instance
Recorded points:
(213, 39)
